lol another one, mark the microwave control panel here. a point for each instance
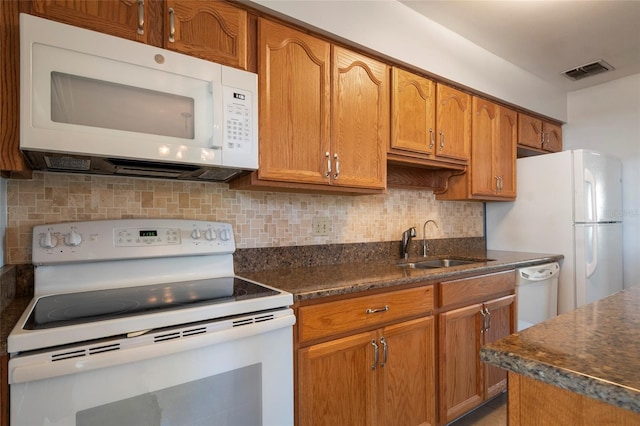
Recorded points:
(237, 118)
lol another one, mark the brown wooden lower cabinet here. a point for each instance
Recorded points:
(367, 360)
(465, 381)
(382, 377)
(535, 403)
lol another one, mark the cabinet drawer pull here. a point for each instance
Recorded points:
(335, 176)
(441, 140)
(172, 25)
(140, 17)
(375, 354)
(384, 351)
(377, 310)
(432, 139)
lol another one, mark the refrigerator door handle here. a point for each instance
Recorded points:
(593, 248)
(591, 207)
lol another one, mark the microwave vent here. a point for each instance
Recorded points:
(587, 70)
(219, 174)
(68, 163)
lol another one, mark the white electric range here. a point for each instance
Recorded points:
(121, 308)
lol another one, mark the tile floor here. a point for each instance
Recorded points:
(493, 413)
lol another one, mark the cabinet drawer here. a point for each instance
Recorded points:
(332, 318)
(476, 289)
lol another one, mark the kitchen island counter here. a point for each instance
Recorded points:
(593, 351)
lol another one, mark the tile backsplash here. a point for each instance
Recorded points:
(260, 219)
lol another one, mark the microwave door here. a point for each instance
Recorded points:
(80, 103)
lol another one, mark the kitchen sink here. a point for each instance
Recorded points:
(440, 263)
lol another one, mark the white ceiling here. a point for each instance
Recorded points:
(547, 37)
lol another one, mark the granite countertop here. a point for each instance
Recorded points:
(307, 283)
(593, 351)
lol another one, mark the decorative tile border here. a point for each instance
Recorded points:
(260, 219)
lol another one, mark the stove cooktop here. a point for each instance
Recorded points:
(91, 306)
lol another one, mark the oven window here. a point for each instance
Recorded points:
(230, 398)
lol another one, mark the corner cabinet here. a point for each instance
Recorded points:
(539, 134)
(367, 360)
(492, 172)
(474, 311)
(324, 115)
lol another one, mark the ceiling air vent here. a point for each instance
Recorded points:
(587, 70)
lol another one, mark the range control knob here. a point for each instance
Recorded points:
(73, 238)
(48, 240)
(196, 234)
(225, 234)
(210, 234)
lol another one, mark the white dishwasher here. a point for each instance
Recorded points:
(537, 294)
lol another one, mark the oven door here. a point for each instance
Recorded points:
(232, 372)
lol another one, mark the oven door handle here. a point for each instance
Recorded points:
(29, 367)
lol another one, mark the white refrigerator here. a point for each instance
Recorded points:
(568, 203)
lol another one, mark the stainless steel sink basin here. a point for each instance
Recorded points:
(441, 263)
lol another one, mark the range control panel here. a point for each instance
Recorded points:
(129, 239)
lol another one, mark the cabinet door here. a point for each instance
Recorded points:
(553, 137)
(294, 96)
(413, 118)
(337, 382)
(485, 131)
(493, 151)
(505, 152)
(460, 338)
(407, 384)
(121, 18)
(529, 131)
(212, 30)
(453, 123)
(359, 120)
(501, 321)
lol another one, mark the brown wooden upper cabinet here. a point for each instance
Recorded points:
(324, 115)
(212, 30)
(429, 120)
(539, 134)
(121, 18)
(492, 172)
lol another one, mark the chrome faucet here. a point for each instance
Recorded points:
(425, 247)
(406, 240)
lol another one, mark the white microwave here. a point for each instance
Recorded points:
(94, 103)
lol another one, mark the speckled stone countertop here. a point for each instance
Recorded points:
(307, 283)
(312, 282)
(593, 351)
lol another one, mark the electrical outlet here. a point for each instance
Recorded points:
(321, 226)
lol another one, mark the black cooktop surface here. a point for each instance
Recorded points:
(99, 305)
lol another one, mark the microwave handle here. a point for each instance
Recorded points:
(217, 127)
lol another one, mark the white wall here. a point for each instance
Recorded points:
(394, 30)
(606, 118)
